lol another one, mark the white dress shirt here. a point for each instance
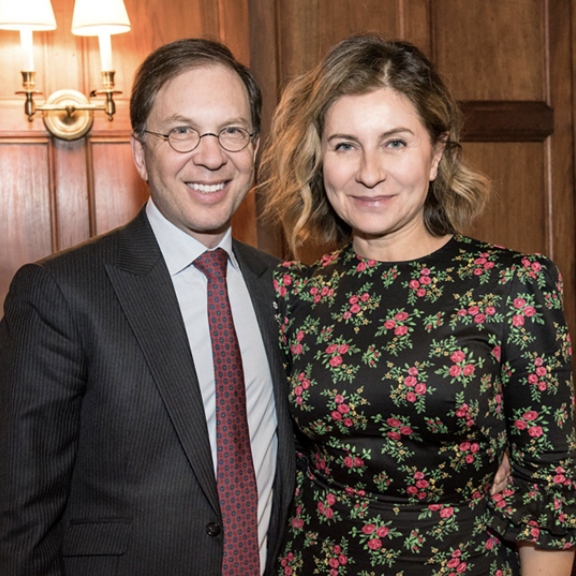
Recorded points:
(180, 250)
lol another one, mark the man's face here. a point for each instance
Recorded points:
(198, 191)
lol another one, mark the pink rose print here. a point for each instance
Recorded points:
(457, 356)
(535, 431)
(447, 512)
(518, 321)
(368, 528)
(455, 371)
(375, 543)
(529, 311)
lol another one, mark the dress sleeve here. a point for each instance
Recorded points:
(41, 386)
(286, 284)
(539, 503)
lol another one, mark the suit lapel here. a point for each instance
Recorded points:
(146, 294)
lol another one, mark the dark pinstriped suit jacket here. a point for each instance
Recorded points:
(105, 465)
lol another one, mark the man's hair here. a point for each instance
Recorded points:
(171, 60)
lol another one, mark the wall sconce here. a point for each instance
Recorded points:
(67, 114)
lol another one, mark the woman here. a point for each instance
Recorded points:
(415, 355)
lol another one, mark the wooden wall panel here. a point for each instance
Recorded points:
(308, 28)
(560, 151)
(27, 217)
(62, 62)
(264, 62)
(11, 62)
(116, 190)
(71, 173)
(517, 171)
(491, 50)
(235, 27)
(414, 23)
(243, 224)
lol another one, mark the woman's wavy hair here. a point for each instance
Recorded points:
(292, 165)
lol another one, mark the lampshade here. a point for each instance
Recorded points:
(95, 17)
(29, 15)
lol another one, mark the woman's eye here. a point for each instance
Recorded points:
(397, 143)
(232, 130)
(343, 146)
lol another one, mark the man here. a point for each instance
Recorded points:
(111, 450)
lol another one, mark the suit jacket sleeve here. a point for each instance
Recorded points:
(42, 378)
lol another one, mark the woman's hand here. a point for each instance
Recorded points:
(501, 478)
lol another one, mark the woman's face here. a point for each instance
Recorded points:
(377, 164)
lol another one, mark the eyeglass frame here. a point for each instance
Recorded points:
(200, 136)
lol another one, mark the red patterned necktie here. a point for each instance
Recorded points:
(237, 488)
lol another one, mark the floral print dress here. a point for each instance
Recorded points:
(407, 381)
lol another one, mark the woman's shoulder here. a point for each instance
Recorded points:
(507, 270)
(303, 270)
(292, 277)
(489, 254)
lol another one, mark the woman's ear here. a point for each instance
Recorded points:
(437, 152)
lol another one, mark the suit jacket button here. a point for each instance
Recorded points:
(212, 529)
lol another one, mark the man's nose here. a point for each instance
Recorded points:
(209, 153)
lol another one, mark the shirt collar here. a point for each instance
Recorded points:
(178, 248)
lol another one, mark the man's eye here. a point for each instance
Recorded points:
(232, 130)
(183, 130)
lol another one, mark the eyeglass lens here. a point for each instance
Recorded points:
(231, 139)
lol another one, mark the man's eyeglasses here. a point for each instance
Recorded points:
(185, 139)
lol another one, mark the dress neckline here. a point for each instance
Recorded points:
(446, 247)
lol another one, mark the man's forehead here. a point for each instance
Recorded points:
(203, 76)
(213, 85)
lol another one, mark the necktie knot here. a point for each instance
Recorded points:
(212, 263)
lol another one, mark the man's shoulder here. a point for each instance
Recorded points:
(102, 248)
(97, 244)
(131, 247)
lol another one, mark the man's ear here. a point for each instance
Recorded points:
(139, 157)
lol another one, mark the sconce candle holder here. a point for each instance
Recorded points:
(68, 114)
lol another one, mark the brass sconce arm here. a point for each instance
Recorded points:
(29, 83)
(108, 82)
(73, 110)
